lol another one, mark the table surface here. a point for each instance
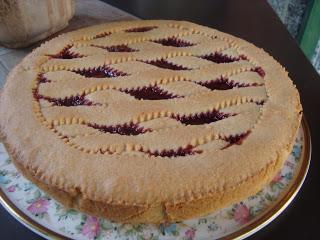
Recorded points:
(256, 22)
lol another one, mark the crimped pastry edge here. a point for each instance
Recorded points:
(165, 212)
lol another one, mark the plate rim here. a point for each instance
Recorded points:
(242, 233)
(286, 199)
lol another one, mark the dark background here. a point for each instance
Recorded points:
(255, 21)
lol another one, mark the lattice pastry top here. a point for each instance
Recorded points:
(155, 120)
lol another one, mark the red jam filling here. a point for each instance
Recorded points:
(78, 100)
(180, 152)
(66, 54)
(101, 35)
(117, 48)
(222, 58)
(225, 84)
(141, 29)
(202, 118)
(122, 129)
(165, 64)
(259, 70)
(174, 42)
(100, 72)
(236, 139)
(43, 79)
(259, 102)
(150, 93)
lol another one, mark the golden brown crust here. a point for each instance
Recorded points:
(165, 212)
(123, 184)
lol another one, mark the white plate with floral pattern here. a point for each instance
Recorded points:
(36, 210)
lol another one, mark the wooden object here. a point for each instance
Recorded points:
(25, 22)
(87, 13)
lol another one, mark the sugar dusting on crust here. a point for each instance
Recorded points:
(175, 204)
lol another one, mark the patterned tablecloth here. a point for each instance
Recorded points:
(88, 12)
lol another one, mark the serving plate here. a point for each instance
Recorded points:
(45, 216)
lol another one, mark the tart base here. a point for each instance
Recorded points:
(162, 213)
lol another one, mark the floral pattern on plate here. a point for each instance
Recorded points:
(73, 224)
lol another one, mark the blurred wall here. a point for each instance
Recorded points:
(291, 13)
